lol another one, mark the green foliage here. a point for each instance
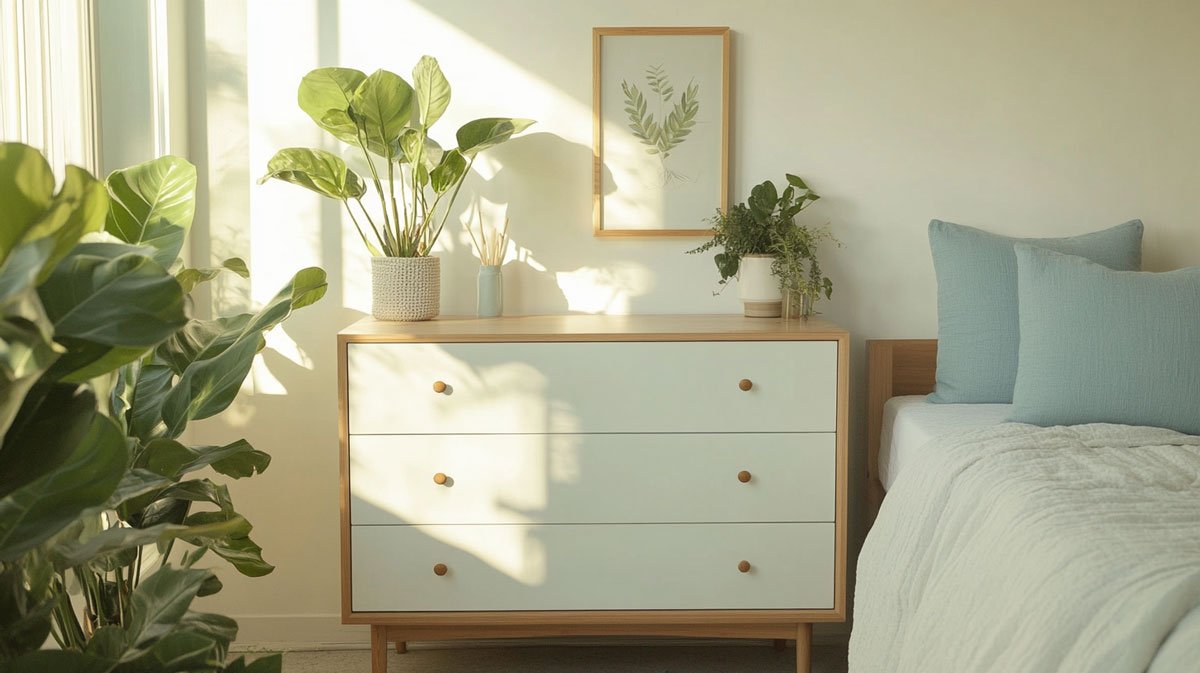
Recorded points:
(101, 369)
(661, 136)
(385, 117)
(766, 225)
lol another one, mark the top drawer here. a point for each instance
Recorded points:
(592, 387)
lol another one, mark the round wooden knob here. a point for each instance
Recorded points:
(744, 476)
(439, 479)
(440, 569)
(744, 567)
(745, 384)
(439, 386)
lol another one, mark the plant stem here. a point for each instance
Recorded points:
(374, 178)
(403, 200)
(353, 219)
(392, 194)
(446, 213)
(372, 223)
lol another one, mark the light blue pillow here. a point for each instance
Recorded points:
(1104, 346)
(977, 302)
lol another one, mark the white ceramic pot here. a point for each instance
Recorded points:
(406, 288)
(758, 288)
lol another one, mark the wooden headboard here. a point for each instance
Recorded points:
(894, 367)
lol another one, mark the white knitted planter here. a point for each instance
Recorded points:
(405, 288)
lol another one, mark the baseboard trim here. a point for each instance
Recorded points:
(297, 633)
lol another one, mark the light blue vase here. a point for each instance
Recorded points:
(491, 292)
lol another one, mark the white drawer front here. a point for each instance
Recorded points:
(593, 567)
(593, 387)
(596, 478)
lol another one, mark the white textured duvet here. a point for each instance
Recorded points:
(1020, 549)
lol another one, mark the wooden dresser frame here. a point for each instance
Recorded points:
(777, 625)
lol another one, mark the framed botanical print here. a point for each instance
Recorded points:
(660, 130)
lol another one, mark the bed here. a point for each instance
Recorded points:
(1010, 547)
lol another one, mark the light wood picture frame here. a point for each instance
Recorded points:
(660, 131)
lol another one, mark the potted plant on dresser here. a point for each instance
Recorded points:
(387, 120)
(773, 258)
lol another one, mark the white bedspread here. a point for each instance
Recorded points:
(1020, 549)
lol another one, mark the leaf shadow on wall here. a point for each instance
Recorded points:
(542, 183)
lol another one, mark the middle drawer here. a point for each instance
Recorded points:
(592, 478)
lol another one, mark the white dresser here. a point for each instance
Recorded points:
(593, 475)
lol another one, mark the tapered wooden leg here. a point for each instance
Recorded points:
(401, 647)
(780, 644)
(804, 649)
(378, 649)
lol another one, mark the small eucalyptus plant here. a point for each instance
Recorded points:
(388, 121)
(766, 225)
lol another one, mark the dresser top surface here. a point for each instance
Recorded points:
(586, 327)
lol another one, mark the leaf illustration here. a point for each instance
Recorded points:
(661, 137)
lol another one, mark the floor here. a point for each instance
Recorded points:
(574, 659)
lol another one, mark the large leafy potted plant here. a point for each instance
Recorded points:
(102, 520)
(772, 257)
(386, 118)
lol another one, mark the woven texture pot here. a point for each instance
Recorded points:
(406, 288)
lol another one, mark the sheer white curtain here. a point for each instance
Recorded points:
(47, 79)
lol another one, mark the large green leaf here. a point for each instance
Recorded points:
(78, 208)
(35, 512)
(109, 303)
(137, 482)
(159, 603)
(237, 460)
(113, 296)
(145, 408)
(477, 136)
(383, 104)
(201, 340)
(19, 273)
(181, 650)
(326, 89)
(447, 173)
(208, 387)
(171, 458)
(25, 607)
(316, 170)
(27, 348)
(26, 190)
(217, 627)
(45, 433)
(306, 288)
(244, 555)
(153, 204)
(25, 353)
(433, 91)
(191, 277)
(72, 553)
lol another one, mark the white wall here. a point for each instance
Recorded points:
(1024, 117)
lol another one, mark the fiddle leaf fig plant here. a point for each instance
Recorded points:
(388, 121)
(101, 370)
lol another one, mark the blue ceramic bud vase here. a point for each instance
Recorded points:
(491, 292)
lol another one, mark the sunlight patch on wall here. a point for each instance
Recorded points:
(604, 290)
(286, 231)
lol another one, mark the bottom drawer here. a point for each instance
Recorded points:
(592, 567)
